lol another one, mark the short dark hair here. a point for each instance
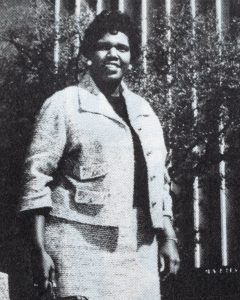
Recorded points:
(111, 22)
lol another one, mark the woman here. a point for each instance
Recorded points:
(94, 180)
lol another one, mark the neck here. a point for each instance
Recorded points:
(108, 88)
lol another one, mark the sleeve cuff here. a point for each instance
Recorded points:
(30, 204)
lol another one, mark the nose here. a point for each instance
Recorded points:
(112, 52)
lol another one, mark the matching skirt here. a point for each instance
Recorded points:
(105, 263)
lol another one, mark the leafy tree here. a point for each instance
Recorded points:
(194, 61)
(28, 77)
(197, 61)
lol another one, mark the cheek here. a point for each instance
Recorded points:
(97, 58)
(127, 60)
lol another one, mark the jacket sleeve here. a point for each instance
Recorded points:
(44, 153)
(167, 199)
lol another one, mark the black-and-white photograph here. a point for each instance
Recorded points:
(120, 149)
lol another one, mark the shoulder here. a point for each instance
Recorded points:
(141, 103)
(59, 97)
(56, 102)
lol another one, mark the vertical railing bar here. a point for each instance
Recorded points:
(56, 42)
(168, 10)
(99, 7)
(121, 5)
(196, 196)
(144, 10)
(222, 164)
(77, 20)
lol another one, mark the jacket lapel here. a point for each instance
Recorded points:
(96, 102)
(145, 123)
(134, 107)
(137, 109)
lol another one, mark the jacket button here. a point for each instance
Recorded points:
(149, 153)
(152, 177)
(153, 204)
(139, 129)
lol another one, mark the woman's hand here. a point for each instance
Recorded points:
(171, 261)
(43, 272)
(168, 251)
(42, 264)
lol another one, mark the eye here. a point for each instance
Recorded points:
(122, 48)
(103, 47)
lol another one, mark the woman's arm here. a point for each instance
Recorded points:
(168, 248)
(165, 235)
(38, 227)
(45, 151)
(167, 239)
(42, 264)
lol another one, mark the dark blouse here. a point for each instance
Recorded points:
(141, 198)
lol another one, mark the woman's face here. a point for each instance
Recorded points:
(111, 57)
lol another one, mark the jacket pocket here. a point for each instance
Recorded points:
(92, 171)
(89, 197)
(91, 189)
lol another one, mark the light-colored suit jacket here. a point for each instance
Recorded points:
(80, 162)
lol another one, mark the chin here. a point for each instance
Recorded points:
(112, 78)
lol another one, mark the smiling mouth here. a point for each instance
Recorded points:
(112, 65)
